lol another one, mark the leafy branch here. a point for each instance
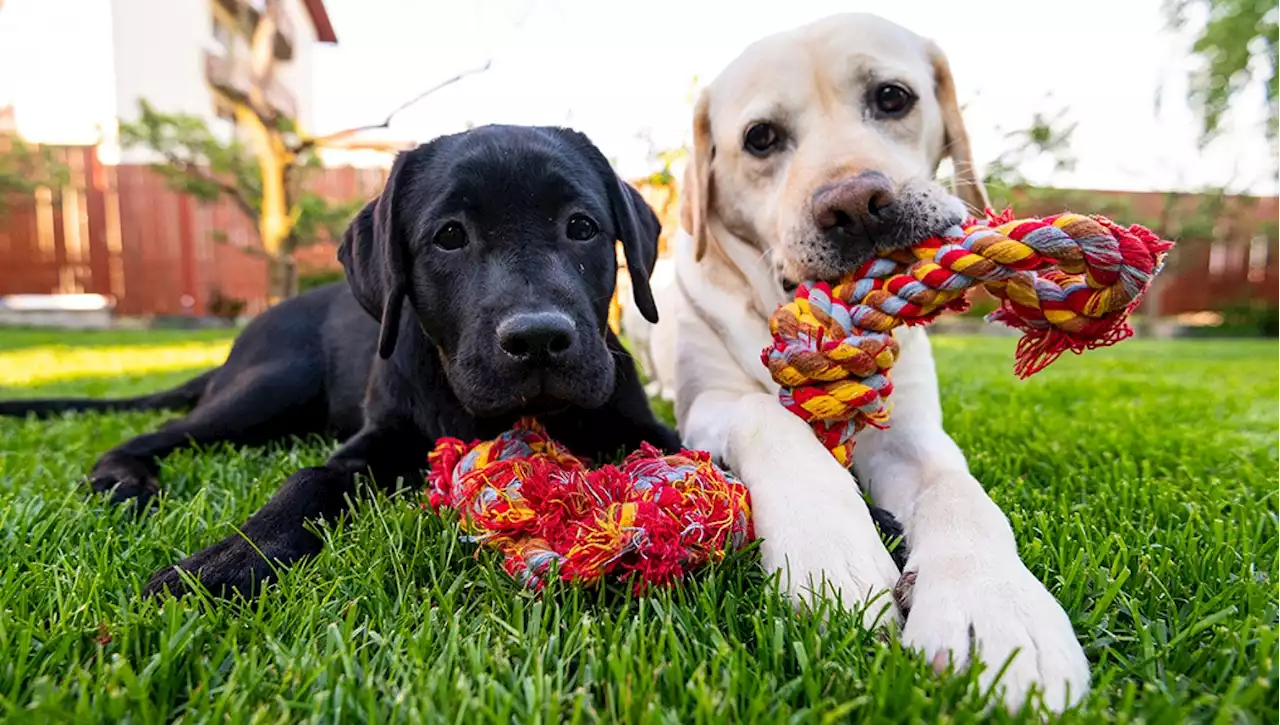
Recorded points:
(25, 167)
(1237, 47)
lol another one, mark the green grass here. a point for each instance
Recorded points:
(1141, 481)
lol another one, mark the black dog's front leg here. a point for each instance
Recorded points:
(632, 412)
(277, 535)
(621, 425)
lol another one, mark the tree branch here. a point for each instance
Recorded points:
(368, 145)
(191, 169)
(386, 123)
(250, 250)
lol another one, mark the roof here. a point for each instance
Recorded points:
(320, 19)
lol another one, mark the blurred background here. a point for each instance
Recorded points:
(184, 163)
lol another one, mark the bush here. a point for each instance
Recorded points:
(318, 279)
(1242, 319)
(224, 307)
(1258, 319)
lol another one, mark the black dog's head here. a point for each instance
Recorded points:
(501, 240)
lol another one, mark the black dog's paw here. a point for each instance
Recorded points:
(232, 567)
(125, 482)
(663, 438)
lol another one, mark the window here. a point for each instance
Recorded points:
(1237, 258)
(221, 34)
(1259, 247)
(1217, 259)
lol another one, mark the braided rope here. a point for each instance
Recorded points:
(653, 516)
(1067, 281)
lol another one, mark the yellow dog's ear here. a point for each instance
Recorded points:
(965, 181)
(695, 201)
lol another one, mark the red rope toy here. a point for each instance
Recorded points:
(1067, 281)
(653, 516)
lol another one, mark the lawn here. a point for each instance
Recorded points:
(1141, 481)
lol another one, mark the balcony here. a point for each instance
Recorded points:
(232, 75)
(249, 11)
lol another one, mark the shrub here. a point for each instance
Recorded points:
(224, 307)
(318, 279)
(1242, 319)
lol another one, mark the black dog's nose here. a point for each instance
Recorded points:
(857, 207)
(538, 338)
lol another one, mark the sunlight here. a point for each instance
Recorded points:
(57, 363)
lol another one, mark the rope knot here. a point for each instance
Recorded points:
(1067, 281)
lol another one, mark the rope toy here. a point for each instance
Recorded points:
(653, 516)
(1067, 281)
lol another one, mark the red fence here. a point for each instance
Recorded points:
(119, 231)
(57, 241)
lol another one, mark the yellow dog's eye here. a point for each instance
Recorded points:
(761, 139)
(893, 100)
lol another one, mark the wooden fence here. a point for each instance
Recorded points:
(119, 231)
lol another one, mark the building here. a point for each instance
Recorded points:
(85, 63)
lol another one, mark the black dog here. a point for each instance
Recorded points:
(489, 262)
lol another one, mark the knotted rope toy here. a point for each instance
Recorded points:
(653, 516)
(1067, 281)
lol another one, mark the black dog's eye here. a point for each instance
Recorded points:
(581, 228)
(761, 139)
(451, 236)
(893, 100)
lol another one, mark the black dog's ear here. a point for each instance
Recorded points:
(372, 253)
(639, 228)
